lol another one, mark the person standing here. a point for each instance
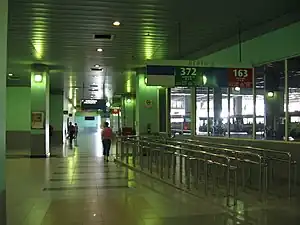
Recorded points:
(76, 130)
(106, 140)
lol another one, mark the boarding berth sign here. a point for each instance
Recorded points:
(193, 76)
(240, 77)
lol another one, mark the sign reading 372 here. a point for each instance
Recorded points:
(188, 71)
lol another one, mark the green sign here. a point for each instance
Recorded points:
(189, 77)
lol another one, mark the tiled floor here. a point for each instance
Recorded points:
(81, 189)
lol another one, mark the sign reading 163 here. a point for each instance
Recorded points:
(188, 71)
(240, 73)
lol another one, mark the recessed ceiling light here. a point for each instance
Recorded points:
(97, 66)
(116, 23)
(99, 50)
(10, 74)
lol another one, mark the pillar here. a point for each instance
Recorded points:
(128, 111)
(163, 109)
(18, 117)
(56, 118)
(238, 105)
(3, 72)
(147, 107)
(217, 107)
(39, 111)
(193, 108)
(274, 104)
(164, 101)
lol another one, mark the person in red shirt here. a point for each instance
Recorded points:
(106, 140)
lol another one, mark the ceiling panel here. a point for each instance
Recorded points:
(60, 33)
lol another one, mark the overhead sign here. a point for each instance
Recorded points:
(94, 104)
(193, 76)
(115, 111)
(240, 78)
(90, 101)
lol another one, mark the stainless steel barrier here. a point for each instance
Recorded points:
(178, 165)
(269, 158)
(240, 159)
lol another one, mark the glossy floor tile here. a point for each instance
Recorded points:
(77, 187)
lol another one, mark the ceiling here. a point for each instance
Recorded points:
(60, 34)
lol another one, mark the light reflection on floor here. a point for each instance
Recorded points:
(82, 189)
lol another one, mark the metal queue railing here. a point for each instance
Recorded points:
(241, 160)
(177, 164)
(270, 157)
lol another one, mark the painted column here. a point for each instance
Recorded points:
(238, 105)
(217, 109)
(163, 109)
(18, 127)
(147, 107)
(56, 118)
(274, 105)
(39, 111)
(128, 112)
(193, 108)
(3, 73)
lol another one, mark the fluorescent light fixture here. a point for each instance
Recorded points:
(204, 79)
(99, 50)
(116, 23)
(38, 78)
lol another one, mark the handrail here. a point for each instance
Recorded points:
(149, 145)
(260, 158)
(288, 154)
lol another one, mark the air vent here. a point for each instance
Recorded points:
(104, 37)
(96, 69)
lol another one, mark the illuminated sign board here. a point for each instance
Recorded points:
(94, 104)
(90, 101)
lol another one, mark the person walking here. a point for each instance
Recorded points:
(71, 129)
(106, 136)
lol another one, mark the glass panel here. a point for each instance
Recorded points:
(180, 111)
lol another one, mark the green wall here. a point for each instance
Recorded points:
(18, 109)
(273, 46)
(146, 115)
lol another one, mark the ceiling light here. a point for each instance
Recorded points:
(116, 23)
(38, 78)
(10, 74)
(237, 88)
(97, 66)
(99, 50)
